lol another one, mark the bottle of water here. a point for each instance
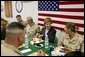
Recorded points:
(46, 41)
(26, 41)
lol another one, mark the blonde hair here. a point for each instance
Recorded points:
(46, 20)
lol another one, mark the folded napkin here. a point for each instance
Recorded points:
(25, 50)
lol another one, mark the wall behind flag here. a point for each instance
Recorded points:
(29, 9)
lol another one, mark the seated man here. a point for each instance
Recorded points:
(49, 30)
(15, 33)
(31, 28)
(72, 41)
(19, 19)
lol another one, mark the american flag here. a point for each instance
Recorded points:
(62, 12)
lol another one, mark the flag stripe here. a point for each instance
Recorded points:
(72, 6)
(71, 2)
(63, 19)
(63, 13)
(61, 25)
(60, 22)
(72, 10)
(59, 28)
(62, 16)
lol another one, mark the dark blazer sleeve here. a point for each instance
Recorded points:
(52, 35)
(42, 32)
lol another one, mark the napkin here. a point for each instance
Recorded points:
(26, 50)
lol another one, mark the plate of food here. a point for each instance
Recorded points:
(36, 40)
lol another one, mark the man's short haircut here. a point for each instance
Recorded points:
(30, 18)
(71, 26)
(15, 25)
(14, 28)
(18, 16)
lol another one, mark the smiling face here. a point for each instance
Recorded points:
(48, 25)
